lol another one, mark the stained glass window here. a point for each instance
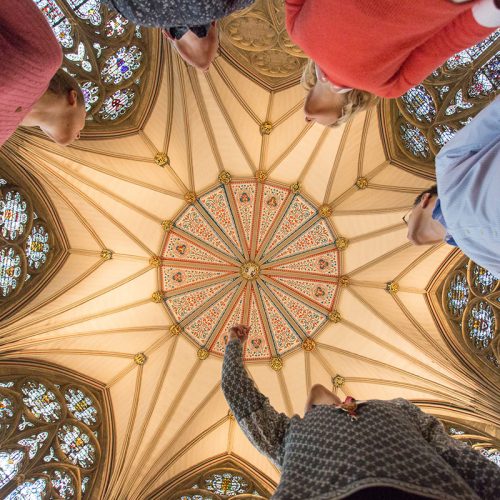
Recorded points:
(216, 484)
(414, 140)
(470, 299)
(14, 215)
(103, 51)
(226, 483)
(485, 444)
(28, 244)
(10, 270)
(49, 438)
(37, 247)
(77, 445)
(420, 104)
(429, 114)
(117, 104)
(457, 294)
(81, 405)
(480, 324)
(10, 464)
(41, 401)
(122, 65)
(33, 489)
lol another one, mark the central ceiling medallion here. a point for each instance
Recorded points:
(252, 252)
(250, 271)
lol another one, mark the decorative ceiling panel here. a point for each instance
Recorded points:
(256, 42)
(252, 252)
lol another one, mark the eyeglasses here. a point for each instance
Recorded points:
(406, 216)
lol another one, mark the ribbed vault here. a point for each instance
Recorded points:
(102, 316)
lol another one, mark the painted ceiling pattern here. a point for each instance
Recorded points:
(250, 252)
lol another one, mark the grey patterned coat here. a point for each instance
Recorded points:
(325, 455)
(167, 13)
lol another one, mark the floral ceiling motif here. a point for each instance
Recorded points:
(255, 40)
(251, 252)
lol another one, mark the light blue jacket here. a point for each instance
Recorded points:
(468, 180)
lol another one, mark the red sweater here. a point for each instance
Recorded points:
(29, 57)
(381, 46)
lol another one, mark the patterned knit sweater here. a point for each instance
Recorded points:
(30, 55)
(326, 455)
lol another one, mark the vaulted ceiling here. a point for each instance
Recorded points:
(110, 313)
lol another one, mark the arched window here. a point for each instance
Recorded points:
(53, 435)
(108, 56)
(225, 481)
(420, 122)
(31, 247)
(470, 301)
(488, 446)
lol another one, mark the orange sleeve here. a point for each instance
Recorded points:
(461, 33)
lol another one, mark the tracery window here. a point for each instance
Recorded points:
(218, 484)
(107, 55)
(29, 243)
(51, 437)
(421, 121)
(485, 444)
(471, 302)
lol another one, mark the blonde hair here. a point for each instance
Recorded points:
(357, 100)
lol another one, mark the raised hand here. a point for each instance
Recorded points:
(238, 332)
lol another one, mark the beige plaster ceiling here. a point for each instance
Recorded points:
(101, 310)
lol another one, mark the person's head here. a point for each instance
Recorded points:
(422, 228)
(328, 106)
(66, 118)
(320, 395)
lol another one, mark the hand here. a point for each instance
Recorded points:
(238, 332)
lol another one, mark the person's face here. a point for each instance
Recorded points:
(323, 104)
(69, 123)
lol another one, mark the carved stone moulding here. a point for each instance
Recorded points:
(256, 42)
